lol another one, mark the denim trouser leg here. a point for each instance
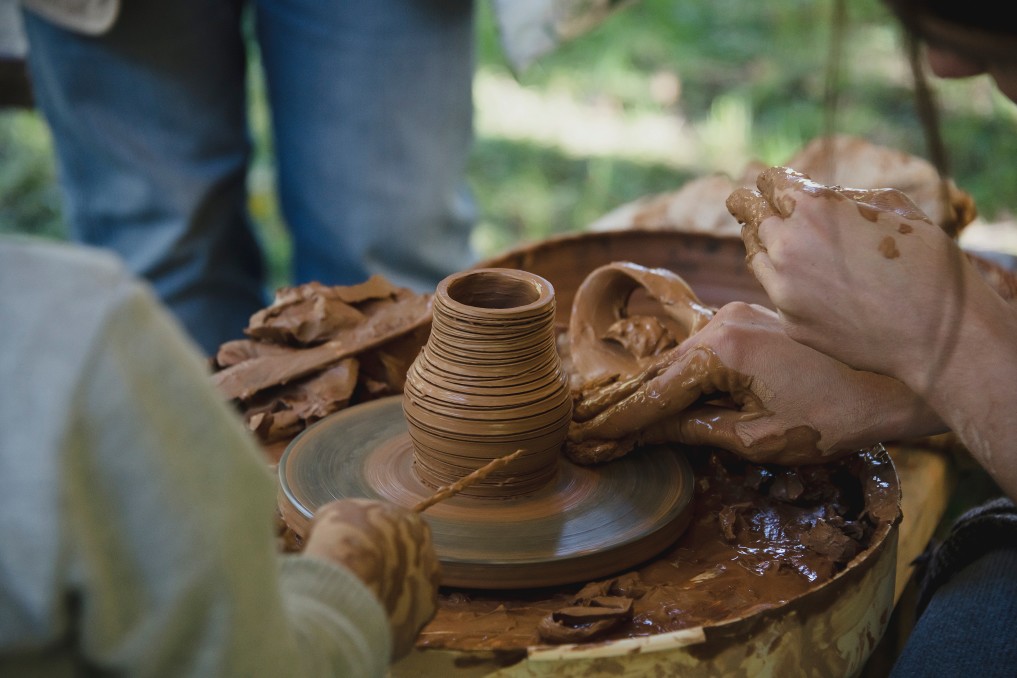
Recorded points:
(968, 627)
(149, 126)
(372, 110)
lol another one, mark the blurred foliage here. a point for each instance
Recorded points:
(733, 80)
(752, 82)
(29, 199)
(528, 192)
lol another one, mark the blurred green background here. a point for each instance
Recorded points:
(661, 92)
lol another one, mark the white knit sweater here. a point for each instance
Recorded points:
(136, 531)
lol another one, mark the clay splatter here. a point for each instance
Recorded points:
(888, 248)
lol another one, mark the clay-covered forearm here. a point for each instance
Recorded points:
(857, 411)
(748, 399)
(975, 389)
(893, 412)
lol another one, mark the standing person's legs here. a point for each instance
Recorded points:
(372, 108)
(149, 123)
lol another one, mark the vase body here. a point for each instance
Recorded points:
(488, 382)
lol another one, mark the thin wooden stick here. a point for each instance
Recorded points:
(458, 486)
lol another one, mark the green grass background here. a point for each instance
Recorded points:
(661, 92)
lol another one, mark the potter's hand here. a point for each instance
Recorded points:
(389, 548)
(861, 275)
(783, 402)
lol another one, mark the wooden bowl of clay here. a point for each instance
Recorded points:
(828, 629)
(714, 267)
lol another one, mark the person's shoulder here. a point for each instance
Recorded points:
(56, 302)
(27, 258)
(62, 284)
(26, 246)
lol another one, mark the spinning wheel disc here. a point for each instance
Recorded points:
(588, 522)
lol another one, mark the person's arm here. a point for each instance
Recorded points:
(865, 277)
(387, 547)
(169, 509)
(742, 384)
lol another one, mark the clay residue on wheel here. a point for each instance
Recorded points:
(760, 536)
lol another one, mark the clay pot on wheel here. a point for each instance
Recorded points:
(488, 382)
(489, 385)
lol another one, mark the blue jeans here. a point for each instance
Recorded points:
(969, 628)
(371, 109)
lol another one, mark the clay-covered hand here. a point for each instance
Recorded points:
(742, 384)
(389, 548)
(862, 275)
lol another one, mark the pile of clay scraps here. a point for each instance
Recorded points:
(317, 349)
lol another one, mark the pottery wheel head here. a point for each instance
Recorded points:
(624, 314)
(586, 523)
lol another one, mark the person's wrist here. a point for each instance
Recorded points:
(984, 348)
(910, 416)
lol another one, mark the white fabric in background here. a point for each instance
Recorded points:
(531, 29)
(12, 36)
(85, 16)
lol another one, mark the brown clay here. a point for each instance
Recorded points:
(587, 522)
(760, 537)
(712, 557)
(751, 208)
(316, 349)
(608, 340)
(486, 408)
(489, 381)
(613, 350)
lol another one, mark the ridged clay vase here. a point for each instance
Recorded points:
(488, 382)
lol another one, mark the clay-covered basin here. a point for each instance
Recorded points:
(829, 629)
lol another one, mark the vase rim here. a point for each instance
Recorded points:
(503, 291)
